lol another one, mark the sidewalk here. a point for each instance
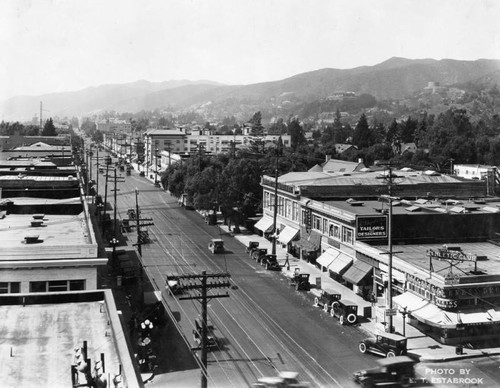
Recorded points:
(419, 344)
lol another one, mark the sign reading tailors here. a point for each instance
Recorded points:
(371, 227)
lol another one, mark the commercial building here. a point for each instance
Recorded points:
(48, 245)
(64, 340)
(340, 220)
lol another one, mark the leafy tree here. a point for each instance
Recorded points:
(49, 129)
(297, 137)
(362, 136)
(256, 123)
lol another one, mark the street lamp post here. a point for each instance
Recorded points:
(404, 312)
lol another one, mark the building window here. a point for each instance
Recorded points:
(77, 285)
(317, 223)
(38, 286)
(57, 286)
(325, 226)
(334, 231)
(10, 287)
(294, 211)
(347, 235)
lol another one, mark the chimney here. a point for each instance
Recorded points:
(328, 157)
(360, 160)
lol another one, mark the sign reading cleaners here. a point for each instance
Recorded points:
(371, 227)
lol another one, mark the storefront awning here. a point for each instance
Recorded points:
(327, 257)
(265, 224)
(410, 300)
(287, 235)
(427, 312)
(308, 242)
(357, 272)
(340, 264)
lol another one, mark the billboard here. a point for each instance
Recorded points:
(371, 227)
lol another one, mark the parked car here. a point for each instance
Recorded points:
(327, 301)
(251, 246)
(301, 281)
(270, 262)
(216, 245)
(346, 311)
(258, 254)
(283, 380)
(211, 339)
(385, 345)
(395, 372)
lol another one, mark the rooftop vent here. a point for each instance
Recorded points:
(36, 223)
(32, 239)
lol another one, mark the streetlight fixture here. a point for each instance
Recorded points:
(404, 312)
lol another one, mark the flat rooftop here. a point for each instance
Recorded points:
(38, 342)
(418, 206)
(416, 255)
(58, 236)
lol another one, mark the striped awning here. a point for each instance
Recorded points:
(327, 257)
(340, 264)
(357, 272)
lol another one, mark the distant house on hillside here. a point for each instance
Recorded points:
(346, 150)
(402, 148)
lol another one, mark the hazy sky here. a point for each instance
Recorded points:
(60, 45)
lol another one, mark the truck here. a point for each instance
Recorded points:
(185, 202)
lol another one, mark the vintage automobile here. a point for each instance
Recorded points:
(346, 311)
(397, 371)
(270, 262)
(252, 245)
(216, 245)
(211, 339)
(327, 301)
(385, 345)
(301, 281)
(258, 254)
(173, 286)
(283, 380)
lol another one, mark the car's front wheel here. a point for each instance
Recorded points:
(362, 347)
(325, 308)
(341, 319)
(391, 354)
(316, 302)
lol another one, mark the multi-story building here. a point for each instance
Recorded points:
(340, 222)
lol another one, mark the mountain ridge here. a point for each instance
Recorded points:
(393, 78)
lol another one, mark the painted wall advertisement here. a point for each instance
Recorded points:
(371, 227)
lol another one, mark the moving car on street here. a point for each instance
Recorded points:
(392, 372)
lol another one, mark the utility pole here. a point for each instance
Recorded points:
(203, 285)
(275, 212)
(105, 200)
(390, 182)
(114, 241)
(139, 223)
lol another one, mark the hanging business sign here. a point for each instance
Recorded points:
(371, 227)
